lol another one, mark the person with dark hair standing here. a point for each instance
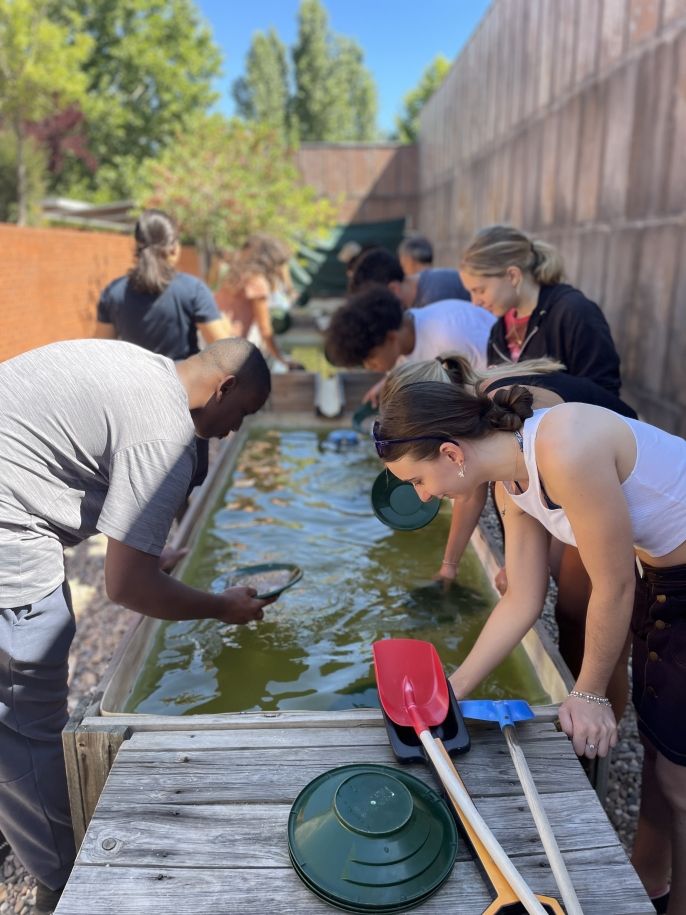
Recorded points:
(158, 308)
(519, 280)
(95, 436)
(415, 253)
(615, 488)
(379, 266)
(154, 305)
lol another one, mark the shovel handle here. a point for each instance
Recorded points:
(552, 849)
(504, 893)
(460, 797)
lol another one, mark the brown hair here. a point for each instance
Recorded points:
(156, 234)
(261, 255)
(494, 249)
(448, 412)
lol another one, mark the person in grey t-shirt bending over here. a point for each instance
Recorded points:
(95, 436)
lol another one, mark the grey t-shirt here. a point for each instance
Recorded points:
(95, 435)
(437, 285)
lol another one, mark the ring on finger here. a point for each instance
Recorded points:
(590, 746)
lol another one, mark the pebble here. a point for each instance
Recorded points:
(101, 626)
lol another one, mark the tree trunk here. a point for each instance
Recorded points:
(22, 203)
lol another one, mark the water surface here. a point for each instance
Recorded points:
(294, 499)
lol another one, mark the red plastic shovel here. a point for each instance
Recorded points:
(414, 693)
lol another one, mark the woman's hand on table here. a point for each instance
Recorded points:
(591, 726)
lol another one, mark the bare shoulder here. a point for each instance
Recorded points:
(573, 432)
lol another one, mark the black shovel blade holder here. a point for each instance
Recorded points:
(407, 747)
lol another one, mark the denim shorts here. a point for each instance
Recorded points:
(659, 659)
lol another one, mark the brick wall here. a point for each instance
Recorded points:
(51, 281)
(371, 181)
(568, 119)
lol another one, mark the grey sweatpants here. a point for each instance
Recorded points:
(34, 803)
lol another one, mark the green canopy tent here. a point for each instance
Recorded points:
(316, 270)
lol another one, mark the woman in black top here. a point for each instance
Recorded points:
(550, 385)
(518, 279)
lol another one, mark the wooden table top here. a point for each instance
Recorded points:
(196, 822)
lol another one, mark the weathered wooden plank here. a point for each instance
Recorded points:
(256, 834)
(95, 754)
(71, 763)
(277, 775)
(485, 736)
(606, 887)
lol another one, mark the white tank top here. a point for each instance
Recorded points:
(655, 490)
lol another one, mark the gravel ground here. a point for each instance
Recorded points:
(101, 625)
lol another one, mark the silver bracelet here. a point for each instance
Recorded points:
(446, 563)
(589, 697)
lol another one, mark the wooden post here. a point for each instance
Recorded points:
(89, 751)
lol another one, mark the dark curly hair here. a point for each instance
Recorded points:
(448, 412)
(361, 325)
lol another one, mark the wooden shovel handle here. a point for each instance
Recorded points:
(504, 894)
(500, 885)
(548, 840)
(447, 774)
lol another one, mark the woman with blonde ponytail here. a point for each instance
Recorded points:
(614, 488)
(519, 280)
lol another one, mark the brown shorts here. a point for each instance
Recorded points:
(659, 659)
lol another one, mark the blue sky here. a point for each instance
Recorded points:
(399, 37)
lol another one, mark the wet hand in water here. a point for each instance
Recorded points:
(590, 726)
(446, 575)
(241, 606)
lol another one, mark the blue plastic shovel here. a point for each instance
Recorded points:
(506, 712)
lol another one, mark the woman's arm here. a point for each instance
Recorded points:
(105, 331)
(526, 561)
(578, 464)
(216, 330)
(465, 517)
(260, 306)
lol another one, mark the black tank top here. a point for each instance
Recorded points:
(570, 388)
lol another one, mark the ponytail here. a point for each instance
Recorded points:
(496, 248)
(156, 235)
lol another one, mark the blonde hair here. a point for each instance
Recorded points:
(452, 368)
(495, 248)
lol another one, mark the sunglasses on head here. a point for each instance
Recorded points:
(381, 444)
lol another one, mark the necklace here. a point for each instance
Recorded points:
(519, 448)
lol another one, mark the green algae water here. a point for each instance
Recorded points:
(294, 499)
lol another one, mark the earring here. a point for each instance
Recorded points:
(460, 470)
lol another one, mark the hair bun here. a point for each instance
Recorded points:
(510, 407)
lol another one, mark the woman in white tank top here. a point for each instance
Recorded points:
(616, 488)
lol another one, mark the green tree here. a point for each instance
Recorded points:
(356, 93)
(40, 65)
(150, 70)
(225, 180)
(35, 185)
(335, 95)
(407, 123)
(263, 94)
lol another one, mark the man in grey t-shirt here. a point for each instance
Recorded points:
(95, 436)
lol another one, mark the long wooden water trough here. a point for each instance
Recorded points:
(193, 816)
